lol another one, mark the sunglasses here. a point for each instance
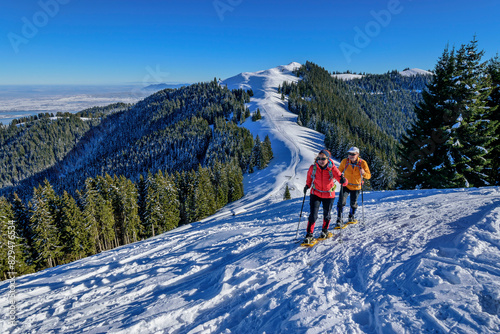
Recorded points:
(322, 159)
(352, 154)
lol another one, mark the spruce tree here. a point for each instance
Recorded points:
(13, 261)
(235, 181)
(267, 151)
(287, 195)
(220, 181)
(494, 105)
(99, 219)
(256, 159)
(125, 202)
(46, 237)
(88, 208)
(170, 203)
(152, 211)
(472, 134)
(142, 192)
(106, 222)
(424, 162)
(448, 145)
(21, 216)
(74, 236)
(204, 195)
(162, 204)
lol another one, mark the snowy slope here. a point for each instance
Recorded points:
(406, 73)
(427, 261)
(347, 76)
(413, 72)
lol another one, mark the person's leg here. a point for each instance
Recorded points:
(315, 202)
(327, 213)
(344, 192)
(354, 203)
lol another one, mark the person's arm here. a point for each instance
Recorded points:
(367, 175)
(339, 177)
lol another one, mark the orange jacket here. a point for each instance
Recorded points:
(324, 179)
(352, 173)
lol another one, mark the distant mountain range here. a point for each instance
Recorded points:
(160, 86)
(406, 73)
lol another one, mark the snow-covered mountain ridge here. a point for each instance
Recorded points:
(406, 73)
(427, 260)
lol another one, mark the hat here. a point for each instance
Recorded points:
(325, 152)
(353, 150)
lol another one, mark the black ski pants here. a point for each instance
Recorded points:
(315, 203)
(344, 192)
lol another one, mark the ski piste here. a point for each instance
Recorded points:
(318, 240)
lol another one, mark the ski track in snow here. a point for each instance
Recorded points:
(427, 261)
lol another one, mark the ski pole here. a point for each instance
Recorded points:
(300, 217)
(362, 203)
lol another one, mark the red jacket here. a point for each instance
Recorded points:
(324, 179)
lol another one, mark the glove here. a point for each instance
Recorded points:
(305, 189)
(342, 180)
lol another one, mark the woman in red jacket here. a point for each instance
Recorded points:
(321, 179)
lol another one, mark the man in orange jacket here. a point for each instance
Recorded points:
(321, 179)
(355, 170)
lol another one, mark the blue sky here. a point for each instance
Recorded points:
(125, 41)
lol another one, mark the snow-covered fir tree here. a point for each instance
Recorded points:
(46, 236)
(423, 160)
(493, 69)
(448, 144)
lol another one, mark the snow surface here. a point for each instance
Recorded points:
(414, 71)
(426, 262)
(406, 73)
(347, 76)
